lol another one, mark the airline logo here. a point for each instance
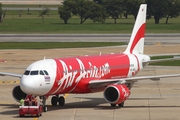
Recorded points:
(70, 75)
(125, 92)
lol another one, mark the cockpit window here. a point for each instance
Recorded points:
(41, 72)
(34, 72)
(26, 72)
(45, 72)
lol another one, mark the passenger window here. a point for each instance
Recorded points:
(34, 72)
(41, 72)
(26, 72)
(46, 72)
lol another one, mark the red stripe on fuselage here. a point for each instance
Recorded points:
(95, 67)
(139, 35)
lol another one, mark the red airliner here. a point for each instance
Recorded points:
(111, 73)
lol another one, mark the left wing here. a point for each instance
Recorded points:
(104, 82)
(10, 74)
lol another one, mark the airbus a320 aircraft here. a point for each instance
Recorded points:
(111, 73)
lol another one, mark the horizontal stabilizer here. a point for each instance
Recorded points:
(161, 60)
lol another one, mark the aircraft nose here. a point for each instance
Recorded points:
(29, 84)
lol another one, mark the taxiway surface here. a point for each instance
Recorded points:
(149, 100)
(149, 38)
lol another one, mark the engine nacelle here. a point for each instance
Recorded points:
(18, 94)
(116, 94)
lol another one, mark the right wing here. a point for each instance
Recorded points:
(10, 74)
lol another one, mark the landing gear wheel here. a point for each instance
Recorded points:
(43, 98)
(61, 101)
(45, 108)
(38, 115)
(54, 101)
(121, 104)
(113, 105)
(21, 115)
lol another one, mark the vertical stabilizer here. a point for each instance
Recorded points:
(136, 43)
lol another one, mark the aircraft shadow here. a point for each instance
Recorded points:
(94, 103)
(12, 109)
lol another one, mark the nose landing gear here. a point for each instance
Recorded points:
(43, 100)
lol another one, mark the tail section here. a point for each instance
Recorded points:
(136, 43)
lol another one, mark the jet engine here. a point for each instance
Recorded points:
(116, 94)
(18, 94)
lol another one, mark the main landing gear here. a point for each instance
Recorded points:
(120, 105)
(56, 99)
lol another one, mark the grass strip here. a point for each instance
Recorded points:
(161, 57)
(21, 22)
(30, 5)
(165, 63)
(51, 45)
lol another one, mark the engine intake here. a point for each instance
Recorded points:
(18, 94)
(116, 94)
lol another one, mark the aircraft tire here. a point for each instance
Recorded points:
(121, 104)
(54, 101)
(21, 115)
(45, 108)
(38, 115)
(61, 101)
(113, 105)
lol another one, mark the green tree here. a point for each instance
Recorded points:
(2, 13)
(44, 12)
(114, 8)
(64, 14)
(173, 9)
(85, 9)
(98, 13)
(71, 5)
(104, 14)
(98, 1)
(156, 8)
(132, 7)
(80, 8)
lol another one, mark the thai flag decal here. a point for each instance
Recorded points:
(47, 78)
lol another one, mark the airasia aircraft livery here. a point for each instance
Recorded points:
(85, 69)
(114, 74)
